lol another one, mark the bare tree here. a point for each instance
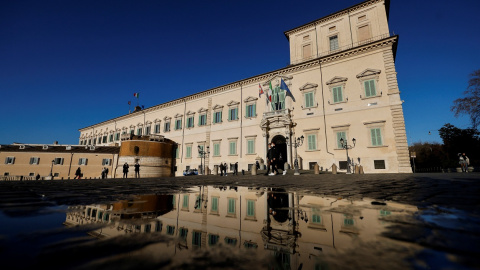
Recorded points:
(470, 104)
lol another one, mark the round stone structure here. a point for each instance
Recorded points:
(154, 155)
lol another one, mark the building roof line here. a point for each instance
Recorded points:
(263, 76)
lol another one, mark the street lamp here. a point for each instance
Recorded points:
(346, 146)
(203, 154)
(296, 143)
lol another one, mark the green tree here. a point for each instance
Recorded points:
(470, 104)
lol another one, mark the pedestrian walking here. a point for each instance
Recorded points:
(464, 161)
(125, 170)
(257, 165)
(38, 177)
(225, 168)
(137, 170)
(78, 173)
(235, 169)
(106, 172)
(269, 158)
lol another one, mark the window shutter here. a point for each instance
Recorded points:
(379, 136)
(31, 160)
(80, 161)
(373, 92)
(220, 119)
(254, 109)
(373, 135)
(339, 94)
(86, 161)
(367, 88)
(38, 161)
(61, 161)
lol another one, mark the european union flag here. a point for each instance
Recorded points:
(284, 87)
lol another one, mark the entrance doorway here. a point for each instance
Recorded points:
(281, 145)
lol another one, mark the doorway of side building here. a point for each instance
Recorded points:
(281, 145)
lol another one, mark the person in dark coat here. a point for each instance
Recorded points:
(225, 168)
(221, 169)
(274, 161)
(78, 173)
(235, 170)
(125, 170)
(38, 177)
(137, 170)
(257, 165)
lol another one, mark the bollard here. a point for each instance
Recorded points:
(360, 169)
(357, 169)
(215, 169)
(316, 169)
(254, 170)
(334, 168)
(208, 170)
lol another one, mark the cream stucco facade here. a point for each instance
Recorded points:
(343, 84)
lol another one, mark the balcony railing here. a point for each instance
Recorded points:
(343, 48)
(275, 113)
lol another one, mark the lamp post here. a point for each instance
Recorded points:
(297, 142)
(346, 146)
(203, 154)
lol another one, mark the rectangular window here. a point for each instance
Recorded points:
(107, 162)
(337, 93)
(376, 135)
(231, 206)
(34, 160)
(139, 131)
(158, 226)
(333, 43)
(189, 151)
(307, 51)
(190, 122)
(197, 239)
(250, 110)
(342, 165)
(214, 204)
(104, 139)
(10, 160)
(178, 124)
(132, 132)
(217, 117)
(157, 128)
(348, 221)
(341, 135)
(82, 161)
(370, 90)
(58, 161)
(110, 139)
(309, 100)
(316, 217)
(312, 141)
(148, 228)
(202, 120)
(364, 33)
(379, 164)
(94, 141)
(183, 233)
(170, 230)
(213, 239)
(233, 114)
(148, 129)
(251, 146)
(185, 201)
(177, 152)
(216, 149)
(230, 241)
(233, 148)
(166, 128)
(250, 208)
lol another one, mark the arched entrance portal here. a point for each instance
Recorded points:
(281, 145)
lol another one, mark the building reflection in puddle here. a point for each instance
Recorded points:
(295, 229)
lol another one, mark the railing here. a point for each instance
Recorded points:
(18, 178)
(343, 48)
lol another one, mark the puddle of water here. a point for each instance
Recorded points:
(229, 228)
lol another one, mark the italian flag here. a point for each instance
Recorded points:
(136, 94)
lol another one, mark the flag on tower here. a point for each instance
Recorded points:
(136, 94)
(284, 87)
(260, 91)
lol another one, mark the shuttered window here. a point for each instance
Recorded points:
(250, 208)
(341, 135)
(376, 135)
(216, 149)
(333, 43)
(312, 141)
(370, 90)
(337, 94)
(233, 148)
(251, 146)
(309, 100)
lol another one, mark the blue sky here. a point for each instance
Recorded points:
(65, 65)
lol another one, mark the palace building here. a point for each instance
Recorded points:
(341, 83)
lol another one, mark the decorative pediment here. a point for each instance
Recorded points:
(202, 110)
(337, 79)
(278, 77)
(190, 113)
(233, 103)
(308, 86)
(148, 122)
(178, 115)
(139, 124)
(250, 99)
(217, 107)
(369, 72)
(132, 126)
(124, 128)
(167, 118)
(157, 120)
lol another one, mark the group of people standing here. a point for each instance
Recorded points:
(223, 169)
(464, 161)
(273, 160)
(125, 170)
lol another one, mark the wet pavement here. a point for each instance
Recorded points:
(382, 221)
